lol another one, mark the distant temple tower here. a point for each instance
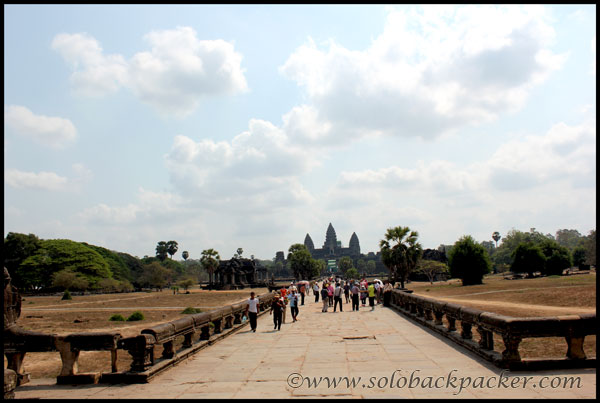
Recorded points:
(333, 250)
(354, 245)
(308, 242)
(330, 244)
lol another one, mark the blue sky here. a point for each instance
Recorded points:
(249, 126)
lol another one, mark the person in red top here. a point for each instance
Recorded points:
(283, 293)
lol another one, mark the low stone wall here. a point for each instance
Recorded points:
(431, 313)
(197, 331)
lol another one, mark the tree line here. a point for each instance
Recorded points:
(49, 265)
(520, 252)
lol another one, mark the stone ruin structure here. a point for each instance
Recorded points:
(238, 273)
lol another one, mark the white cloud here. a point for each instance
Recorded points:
(31, 180)
(433, 70)
(94, 73)
(54, 132)
(149, 207)
(259, 167)
(48, 180)
(172, 77)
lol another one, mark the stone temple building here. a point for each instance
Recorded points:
(332, 248)
(332, 251)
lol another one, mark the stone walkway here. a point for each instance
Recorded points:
(344, 354)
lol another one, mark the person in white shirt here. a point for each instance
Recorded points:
(252, 310)
(337, 296)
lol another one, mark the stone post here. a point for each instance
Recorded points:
(575, 347)
(466, 332)
(511, 352)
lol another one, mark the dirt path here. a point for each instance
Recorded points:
(551, 310)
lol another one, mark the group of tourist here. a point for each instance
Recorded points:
(331, 295)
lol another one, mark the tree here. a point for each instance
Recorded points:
(579, 257)
(496, 237)
(185, 255)
(528, 258)
(68, 279)
(568, 238)
(468, 261)
(589, 243)
(186, 283)
(210, 261)
(238, 253)
(155, 275)
(17, 248)
(172, 248)
(558, 258)
(402, 254)
(352, 273)
(505, 252)
(361, 265)
(109, 285)
(59, 254)
(432, 268)
(345, 263)
(371, 266)
(116, 264)
(301, 262)
(161, 250)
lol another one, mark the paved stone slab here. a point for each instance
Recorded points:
(364, 354)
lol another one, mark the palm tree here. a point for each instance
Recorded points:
(400, 252)
(210, 260)
(172, 248)
(185, 254)
(496, 237)
(161, 250)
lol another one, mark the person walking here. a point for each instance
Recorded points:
(347, 291)
(302, 292)
(363, 294)
(316, 291)
(337, 297)
(355, 292)
(276, 307)
(252, 310)
(330, 294)
(325, 298)
(371, 292)
(293, 298)
(283, 293)
(387, 293)
(377, 291)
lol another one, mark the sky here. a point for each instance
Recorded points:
(228, 126)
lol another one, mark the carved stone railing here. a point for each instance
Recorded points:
(196, 331)
(431, 312)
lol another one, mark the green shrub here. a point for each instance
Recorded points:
(117, 318)
(137, 315)
(66, 295)
(191, 310)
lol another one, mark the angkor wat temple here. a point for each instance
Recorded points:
(333, 250)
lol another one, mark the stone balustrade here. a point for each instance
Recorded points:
(179, 339)
(431, 313)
